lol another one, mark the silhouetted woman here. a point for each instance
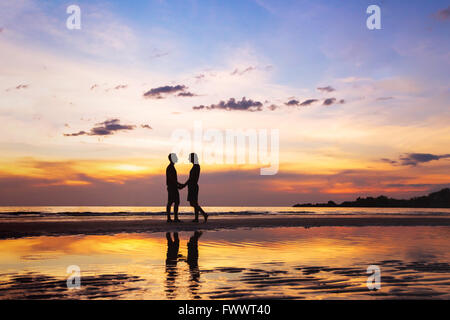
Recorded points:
(192, 185)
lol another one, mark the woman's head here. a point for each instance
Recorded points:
(193, 158)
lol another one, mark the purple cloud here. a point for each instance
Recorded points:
(308, 102)
(232, 104)
(105, 128)
(443, 14)
(161, 92)
(326, 89)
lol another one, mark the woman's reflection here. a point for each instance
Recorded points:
(192, 260)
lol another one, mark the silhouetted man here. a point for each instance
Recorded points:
(172, 188)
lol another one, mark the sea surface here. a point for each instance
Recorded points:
(121, 213)
(280, 263)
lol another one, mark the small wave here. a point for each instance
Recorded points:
(297, 212)
(225, 212)
(365, 213)
(122, 213)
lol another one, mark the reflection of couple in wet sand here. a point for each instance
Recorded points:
(173, 246)
(173, 185)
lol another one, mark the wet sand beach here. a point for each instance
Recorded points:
(269, 263)
(17, 229)
(240, 253)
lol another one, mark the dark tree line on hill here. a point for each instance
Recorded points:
(440, 199)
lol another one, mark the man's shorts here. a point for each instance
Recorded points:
(174, 195)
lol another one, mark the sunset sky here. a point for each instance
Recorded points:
(87, 115)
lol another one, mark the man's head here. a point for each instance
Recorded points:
(173, 158)
(193, 158)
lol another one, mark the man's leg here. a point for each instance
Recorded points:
(168, 207)
(175, 210)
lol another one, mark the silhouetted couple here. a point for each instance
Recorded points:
(192, 183)
(173, 246)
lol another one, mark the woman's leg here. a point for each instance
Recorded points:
(195, 206)
(196, 213)
(205, 215)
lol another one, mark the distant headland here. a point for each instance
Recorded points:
(440, 199)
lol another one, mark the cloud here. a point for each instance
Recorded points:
(308, 102)
(384, 98)
(232, 104)
(89, 190)
(80, 133)
(273, 107)
(19, 87)
(240, 73)
(329, 101)
(121, 86)
(160, 92)
(146, 126)
(159, 55)
(105, 128)
(105, 33)
(295, 102)
(83, 182)
(292, 102)
(413, 159)
(443, 14)
(186, 94)
(389, 161)
(326, 89)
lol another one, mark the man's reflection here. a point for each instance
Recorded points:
(171, 263)
(173, 246)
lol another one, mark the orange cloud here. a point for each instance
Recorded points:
(29, 181)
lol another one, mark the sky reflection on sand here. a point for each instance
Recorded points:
(316, 263)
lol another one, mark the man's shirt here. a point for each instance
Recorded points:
(171, 177)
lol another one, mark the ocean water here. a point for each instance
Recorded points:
(108, 213)
(282, 262)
